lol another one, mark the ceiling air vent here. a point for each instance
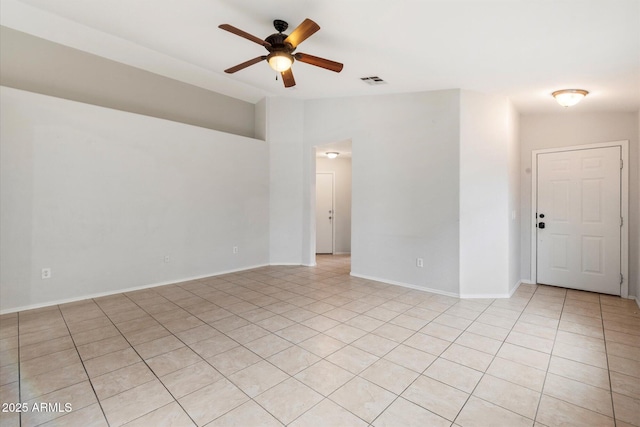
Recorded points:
(373, 80)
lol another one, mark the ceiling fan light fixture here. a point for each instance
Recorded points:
(280, 47)
(332, 154)
(280, 61)
(569, 97)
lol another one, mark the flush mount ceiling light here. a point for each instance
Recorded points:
(569, 97)
(332, 154)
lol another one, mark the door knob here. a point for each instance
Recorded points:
(541, 225)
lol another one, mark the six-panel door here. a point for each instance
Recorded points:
(578, 224)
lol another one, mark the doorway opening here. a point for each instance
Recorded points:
(333, 198)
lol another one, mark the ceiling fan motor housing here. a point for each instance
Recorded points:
(277, 42)
(278, 47)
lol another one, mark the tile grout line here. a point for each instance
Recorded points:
(439, 356)
(146, 364)
(358, 375)
(295, 344)
(425, 369)
(239, 344)
(130, 346)
(308, 286)
(83, 366)
(19, 370)
(203, 359)
(454, 342)
(606, 355)
(492, 360)
(588, 364)
(546, 373)
(187, 310)
(325, 357)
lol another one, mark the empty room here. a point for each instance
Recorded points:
(320, 213)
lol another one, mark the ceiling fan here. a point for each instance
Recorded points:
(281, 48)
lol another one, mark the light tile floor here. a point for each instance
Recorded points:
(307, 346)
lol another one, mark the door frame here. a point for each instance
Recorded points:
(333, 211)
(624, 206)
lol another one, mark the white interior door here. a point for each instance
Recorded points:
(324, 213)
(579, 219)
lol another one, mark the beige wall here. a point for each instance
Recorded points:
(568, 128)
(37, 65)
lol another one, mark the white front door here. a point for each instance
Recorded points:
(324, 213)
(579, 219)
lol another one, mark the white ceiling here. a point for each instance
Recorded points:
(523, 49)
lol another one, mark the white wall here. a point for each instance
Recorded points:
(404, 184)
(284, 121)
(487, 195)
(260, 119)
(102, 196)
(567, 128)
(84, 77)
(514, 215)
(341, 167)
(636, 293)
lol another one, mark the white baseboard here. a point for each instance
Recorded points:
(120, 291)
(483, 296)
(494, 296)
(515, 288)
(637, 301)
(342, 253)
(441, 292)
(297, 264)
(406, 285)
(173, 282)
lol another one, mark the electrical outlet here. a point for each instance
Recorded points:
(167, 258)
(46, 273)
(419, 262)
(235, 249)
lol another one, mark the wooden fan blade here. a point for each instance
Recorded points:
(302, 32)
(287, 78)
(239, 32)
(245, 64)
(319, 62)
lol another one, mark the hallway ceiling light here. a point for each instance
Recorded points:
(332, 154)
(569, 97)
